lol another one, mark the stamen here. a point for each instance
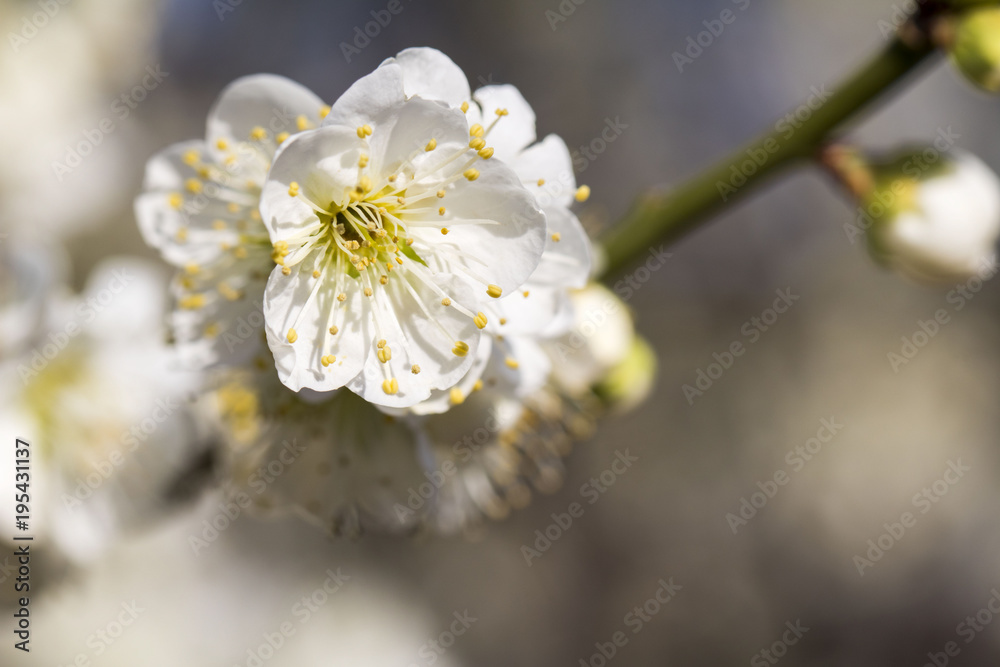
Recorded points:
(292, 336)
(480, 320)
(582, 193)
(494, 291)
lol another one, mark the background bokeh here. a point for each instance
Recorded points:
(666, 517)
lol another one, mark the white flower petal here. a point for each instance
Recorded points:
(425, 339)
(403, 138)
(432, 75)
(546, 169)
(310, 306)
(267, 101)
(566, 261)
(503, 254)
(514, 131)
(369, 99)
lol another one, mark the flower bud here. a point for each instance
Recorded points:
(974, 46)
(630, 382)
(934, 222)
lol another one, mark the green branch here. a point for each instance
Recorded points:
(663, 218)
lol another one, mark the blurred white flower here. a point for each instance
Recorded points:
(113, 441)
(940, 224)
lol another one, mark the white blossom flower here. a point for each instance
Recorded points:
(113, 443)
(200, 209)
(940, 226)
(391, 230)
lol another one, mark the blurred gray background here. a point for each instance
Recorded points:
(666, 517)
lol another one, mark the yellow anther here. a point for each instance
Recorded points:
(461, 348)
(442, 210)
(218, 225)
(222, 144)
(192, 301)
(557, 237)
(471, 173)
(494, 291)
(582, 193)
(415, 369)
(286, 271)
(477, 143)
(383, 280)
(476, 130)
(292, 336)
(465, 107)
(230, 160)
(281, 138)
(444, 231)
(302, 123)
(191, 157)
(385, 354)
(368, 129)
(182, 234)
(175, 200)
(486, 153)
(446, 301)
(325, 360)
(381, 343)
(212, 330)
(511, 362)
(456, 396)
(399, 260)
(191, 268)
(541, 182)
(233, 207)
(363, 161)
(293, 189)
(431, 145)
(254, 214)
(440, 194)
(240, 252)
(342, 297)
(526, 293)
(502, 112)
(480, 320)
(334, 330)
(478, 385)
(503, 321)
(392, 178)
(368, 291)
(365, 184)
(193, 185)
(324, 111)
(316, 273)
(390, 386)
(258, 133)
